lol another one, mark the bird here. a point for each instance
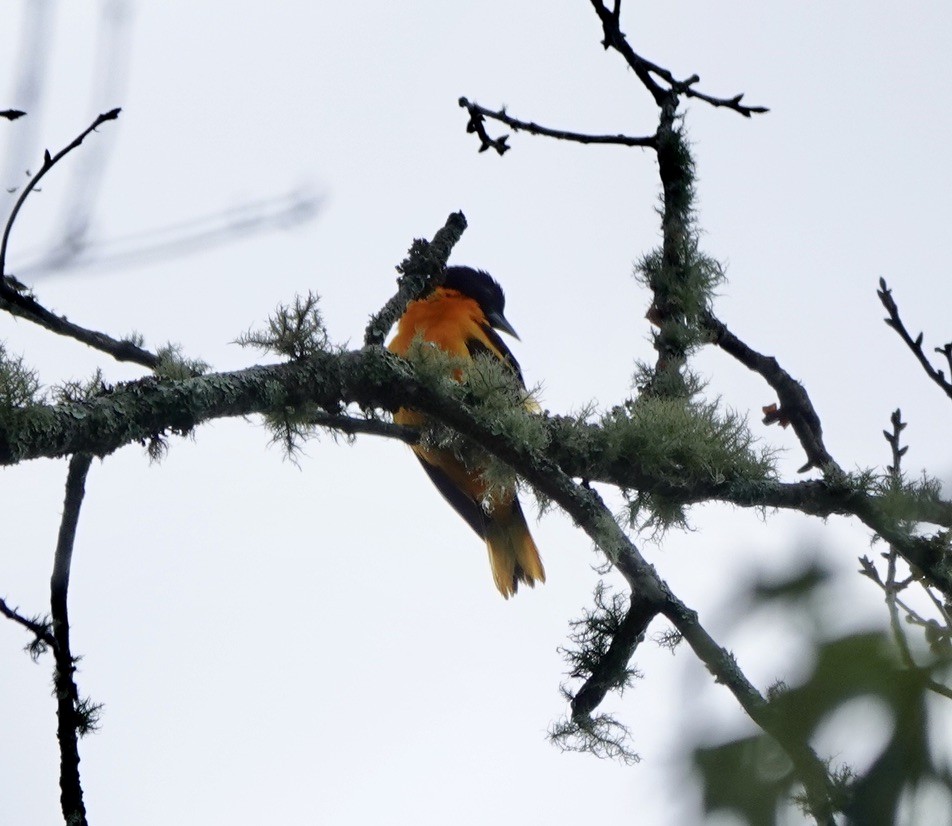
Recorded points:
(461, 317)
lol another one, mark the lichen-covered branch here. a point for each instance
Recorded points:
(698, 465)
(49, 161)
(420, 272)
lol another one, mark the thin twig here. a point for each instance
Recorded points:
(891, 587)
(24, 305)
(893, 603)
(615, 39)
(894, 321)
(49, 161)
(39, 629)
(352, 426)
(73, 714)
(477, 113)
(795, 405)
(942, 607)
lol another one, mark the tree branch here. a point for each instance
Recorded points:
(49, 161)
(420, 271)
(142, 410)
(354, 425)
(615, 39)
(73, 714)
(478, 113)
(613, 666)
(40, 629)
(895, 321)
(16, 301)
(795, 405)
(373, 378)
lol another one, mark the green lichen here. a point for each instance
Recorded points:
(295, 331)
(173, 365)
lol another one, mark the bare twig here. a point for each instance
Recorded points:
(477, 124)
(894, 321)
(24, 305)
(36, 626)
(73, 714)
(615, 39)
(478, 113)
(420, 272)
(890, 590)
(49, 161)
(898, 451)
(795, 405)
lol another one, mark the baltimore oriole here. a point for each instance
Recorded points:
(461, 317)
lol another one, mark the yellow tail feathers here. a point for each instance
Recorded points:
(512, 552)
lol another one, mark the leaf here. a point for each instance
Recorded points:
(750, 776)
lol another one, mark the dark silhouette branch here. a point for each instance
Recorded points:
(895, 321)
(476, 124)
(421, 271)
(49, 161)
(795, 407)
(25, 306)
(20, 303)
(614, 38)
(353, 426)
(74, 715)
(40, 628)
(612, 668)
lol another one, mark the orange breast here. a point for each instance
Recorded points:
(446, 318)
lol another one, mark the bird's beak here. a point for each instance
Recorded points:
(498, 321)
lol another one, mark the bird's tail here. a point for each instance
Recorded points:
(512, 552)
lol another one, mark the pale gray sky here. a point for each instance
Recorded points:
(324, 644)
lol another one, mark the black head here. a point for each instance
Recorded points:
(484, 290)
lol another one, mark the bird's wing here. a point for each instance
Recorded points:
(465, 505)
